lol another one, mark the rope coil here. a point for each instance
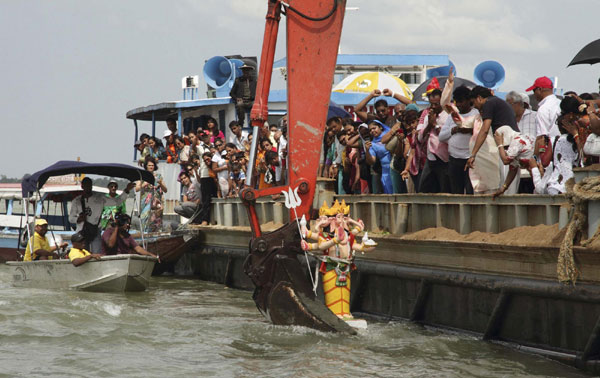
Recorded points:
(579, 195)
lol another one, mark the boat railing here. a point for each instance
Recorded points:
(404, 213)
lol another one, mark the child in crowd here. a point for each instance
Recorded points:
(236, 179)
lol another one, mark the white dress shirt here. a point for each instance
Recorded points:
(548, 111)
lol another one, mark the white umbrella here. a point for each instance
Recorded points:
(366, 82)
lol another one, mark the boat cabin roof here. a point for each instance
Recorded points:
(49, 191)
(170, 110)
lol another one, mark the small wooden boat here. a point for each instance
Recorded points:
(119, 273)
(169, 248)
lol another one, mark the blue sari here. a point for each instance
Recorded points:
(385, 157)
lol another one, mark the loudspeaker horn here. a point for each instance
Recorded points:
(220, 71)
(440, 71)
(489, 74)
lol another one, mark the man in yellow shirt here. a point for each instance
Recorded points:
(38, 245)
(78, 255)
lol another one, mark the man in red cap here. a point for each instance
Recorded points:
(548, 107)
(434, 176)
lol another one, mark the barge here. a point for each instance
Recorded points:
(462, 263)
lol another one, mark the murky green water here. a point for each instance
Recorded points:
(189, 328)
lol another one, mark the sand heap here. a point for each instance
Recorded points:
(541, 236)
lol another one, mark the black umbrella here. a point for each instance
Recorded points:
(336, 111)
(590, 54)
(421, 89)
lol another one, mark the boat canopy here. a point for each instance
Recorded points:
(35, 181)
(170, 110)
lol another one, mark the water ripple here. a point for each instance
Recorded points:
(189, 328)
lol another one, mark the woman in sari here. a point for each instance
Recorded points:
(151, 198)
(213, 127)
(376, 151)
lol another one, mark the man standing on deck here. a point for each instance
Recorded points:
(334, 125)
(434, 178)
(109, 212)
(495, 113)
(39, 244)
(457, 132)
(170, 149)
(238, 136)
(172, 126)
(86, 209)
(527, 123)
(382, 110)
(243, 92)
(548, 107)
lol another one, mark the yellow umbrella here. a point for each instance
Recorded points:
(365, 82)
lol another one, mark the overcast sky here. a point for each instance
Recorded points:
(70, 70)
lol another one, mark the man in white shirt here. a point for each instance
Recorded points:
(548, 107)
(88, 208)
(457, 132)
(220, 167)
(526, 118)
(238, 136)
(528, 125)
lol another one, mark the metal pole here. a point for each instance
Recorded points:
(153, 125)
(28, 230)
(179, 125)
(135, 140)
(251, 160)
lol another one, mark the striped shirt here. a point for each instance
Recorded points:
(528, 123)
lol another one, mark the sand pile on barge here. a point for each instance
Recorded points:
(540, 235)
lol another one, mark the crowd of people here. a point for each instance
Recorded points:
(466, 141)
(211, 166)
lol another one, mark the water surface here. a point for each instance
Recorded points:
(188, 328)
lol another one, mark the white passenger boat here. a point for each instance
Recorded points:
(118, 273)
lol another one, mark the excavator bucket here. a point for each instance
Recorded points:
(283, 291)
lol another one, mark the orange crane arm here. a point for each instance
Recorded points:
(313, 35)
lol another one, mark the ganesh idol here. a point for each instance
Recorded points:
(335, 239)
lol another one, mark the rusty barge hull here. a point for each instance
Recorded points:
(499, 293)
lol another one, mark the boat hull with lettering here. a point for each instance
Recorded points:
(120, 273)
